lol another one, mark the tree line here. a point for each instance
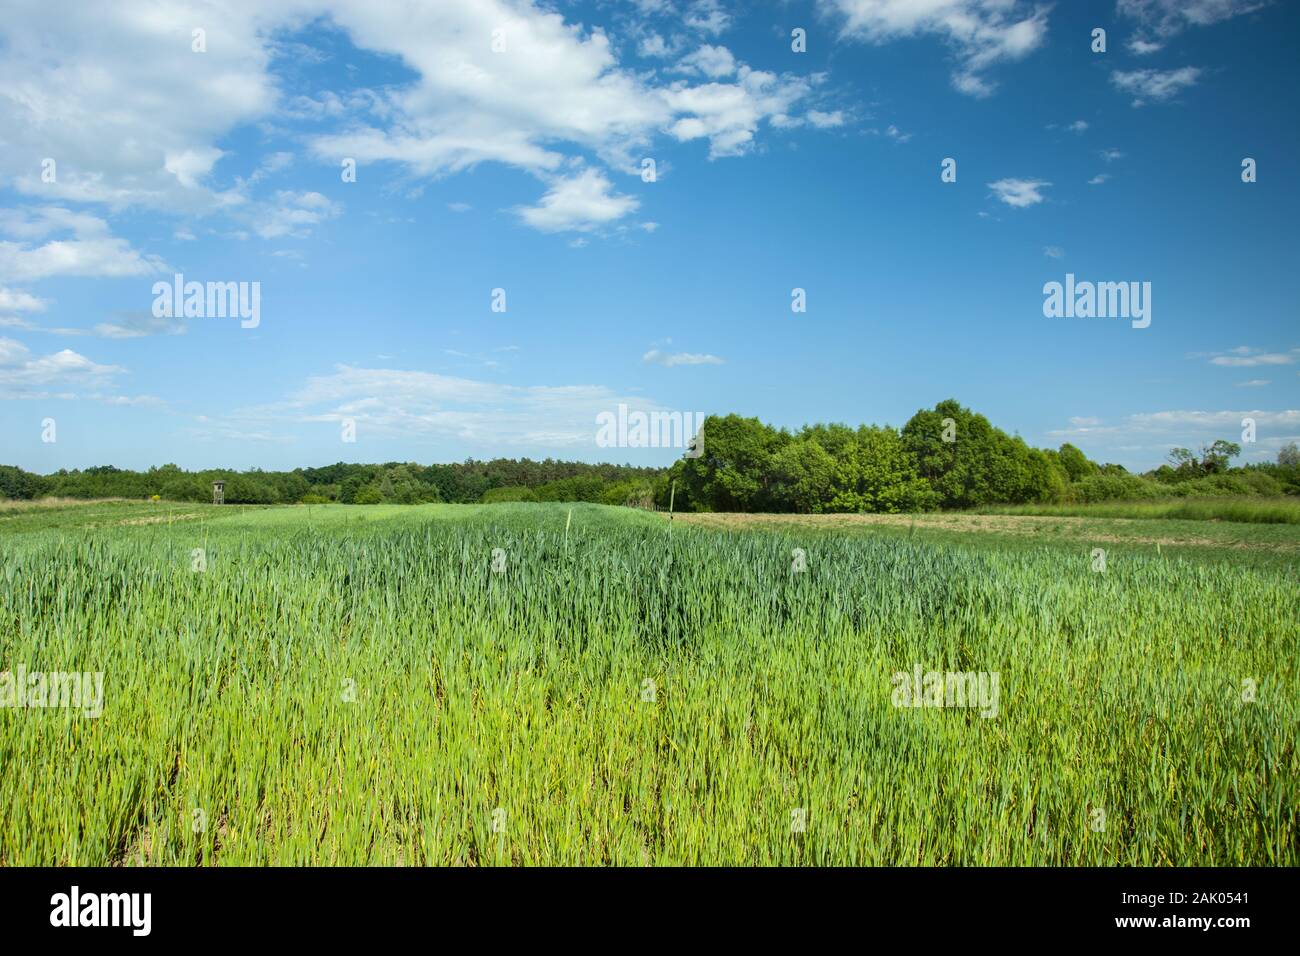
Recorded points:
(947, 457)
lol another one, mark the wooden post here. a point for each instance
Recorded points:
(672, 496)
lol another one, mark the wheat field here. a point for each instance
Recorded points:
(547, 684)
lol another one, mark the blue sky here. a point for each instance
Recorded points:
(521, 169)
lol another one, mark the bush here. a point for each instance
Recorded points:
(1114, 487)
(581, 488)
(369, 495)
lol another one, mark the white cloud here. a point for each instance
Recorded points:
(823, 120)
(1054, 252)
(137, 325)
(25, 376)
(1158, 85)
(982, 32)
(15, 300)
(654, 46)
(707, 16)
(292, 214)
(581, 202)
(1110, 155)
(729, 114)
(1168, 17)
(87, 249)
(669, 360)
(130, 400)
(558, 91)
(1142, 47)
(712, 61)
(1078, 126)
(1019, 193)
(1246, 357)
(87, 88)
(1197, 420)
(1255, 383)
(1098, 179)
(414, 404)
(109, 92)
(1156, 432)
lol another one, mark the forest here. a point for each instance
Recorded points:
(947, 457)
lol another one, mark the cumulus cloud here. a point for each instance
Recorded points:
(1157, 85)
(1019, 193)
(707, 16)
(84, 247)
(559, 90)
(23, 375)
(671, 359)
(581, 202)
(15, 300)
(712, 61)
(135, 325)
(1142, 47)
(729, 114)
(1245, 356)
(981, 32)
(107, 91)
(824, 120)
(1154, 433)
(87, 88)
(292, 214)
(415, 404)
(1168, 17)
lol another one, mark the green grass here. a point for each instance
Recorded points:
(229, 695)
(1247, 510)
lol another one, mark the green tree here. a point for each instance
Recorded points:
(1076, 463)
(1215, 457)
(368, 495)
(734, 471)
(802, 478)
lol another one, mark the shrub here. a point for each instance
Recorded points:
(369, 495)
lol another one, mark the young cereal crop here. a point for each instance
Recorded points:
(461, 685)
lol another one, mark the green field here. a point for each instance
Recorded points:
(1237, 509)
(358, 685)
